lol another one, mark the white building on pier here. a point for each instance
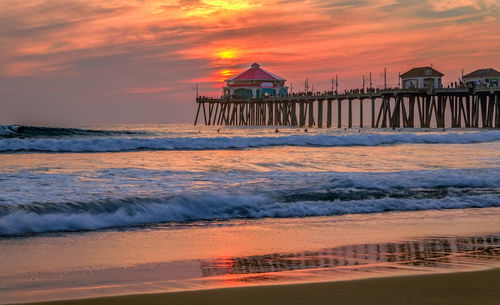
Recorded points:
(422, 77)
(482, 78)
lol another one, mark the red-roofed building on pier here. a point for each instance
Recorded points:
(422, 77)
(255, 83)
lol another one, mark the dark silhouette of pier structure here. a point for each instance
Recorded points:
(409, 108)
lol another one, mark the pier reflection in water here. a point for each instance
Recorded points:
(344, 262)
(430, 255)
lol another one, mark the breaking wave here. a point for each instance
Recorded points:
(132, 212)
(325, 194)
(24, 132)
(117, 144)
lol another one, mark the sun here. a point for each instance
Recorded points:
(230, 5)
(228, 54)
(226, 73)
(204, 8)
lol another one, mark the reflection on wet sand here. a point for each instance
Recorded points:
(429, 255)
(414, 255)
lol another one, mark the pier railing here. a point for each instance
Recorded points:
(425, 108)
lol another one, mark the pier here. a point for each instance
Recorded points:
(409, 108)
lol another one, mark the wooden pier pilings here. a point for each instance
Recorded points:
(439, 108)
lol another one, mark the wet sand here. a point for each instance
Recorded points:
(478, 287)
(248, 253)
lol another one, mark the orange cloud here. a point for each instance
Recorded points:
(130, 43)
(26, 68)
(443, 5)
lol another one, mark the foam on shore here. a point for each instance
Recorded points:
(117, 144)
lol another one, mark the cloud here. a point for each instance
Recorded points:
(151, 52)
(446, 5)
(26, 68)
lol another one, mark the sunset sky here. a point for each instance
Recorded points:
(82, 62)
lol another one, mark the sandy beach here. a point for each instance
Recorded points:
(478, 287)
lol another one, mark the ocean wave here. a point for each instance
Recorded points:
(77, 216)
(43, 191)
(24, 132)
(117, 144)
(8, 130)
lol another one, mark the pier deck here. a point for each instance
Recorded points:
(425, 108)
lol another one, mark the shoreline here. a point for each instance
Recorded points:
(472, 287)
(286, 255)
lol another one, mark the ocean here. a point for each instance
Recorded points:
(184, 207)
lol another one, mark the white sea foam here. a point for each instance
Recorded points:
(115, 144)
(212, 207)
(30, 203)
(29, 187)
